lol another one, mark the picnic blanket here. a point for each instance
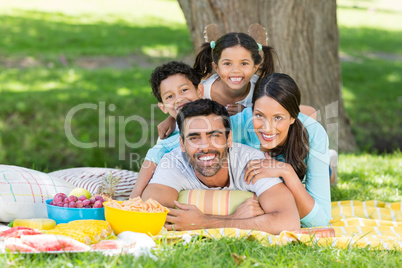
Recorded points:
(373, 224)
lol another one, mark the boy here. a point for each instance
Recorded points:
(174, 84)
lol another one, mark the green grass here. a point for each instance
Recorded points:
(369, 177)
(35, 101)
(371, 34)
(225, 252)
(37, 98)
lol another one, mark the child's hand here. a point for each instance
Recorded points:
(166, 127)
(234, 108)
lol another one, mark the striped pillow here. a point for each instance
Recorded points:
(214, 202)
(90, 178)
(23, 192)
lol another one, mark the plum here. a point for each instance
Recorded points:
(82, 198)
(98, 204)
(79, 204)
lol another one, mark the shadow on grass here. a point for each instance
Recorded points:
(371, 93)
(50, 34)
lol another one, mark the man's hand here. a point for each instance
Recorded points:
(248, 209)
(187, 217)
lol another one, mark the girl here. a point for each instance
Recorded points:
(296, 146)
(235, 57)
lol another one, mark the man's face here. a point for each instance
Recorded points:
(205, 144)
(176, 91)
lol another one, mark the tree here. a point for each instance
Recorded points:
(305, 37)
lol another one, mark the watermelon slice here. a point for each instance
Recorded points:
(16, 245)
(45, 243)
(107, 244)
(18, 231)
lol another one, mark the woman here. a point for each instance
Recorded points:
(295, 145)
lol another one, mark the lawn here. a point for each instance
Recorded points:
(89, 61)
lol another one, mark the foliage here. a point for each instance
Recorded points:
(370, 34)
(42, 78)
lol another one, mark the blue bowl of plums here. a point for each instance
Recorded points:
(78, 205)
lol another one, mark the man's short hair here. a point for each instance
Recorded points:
(168, 69)
(203, 107)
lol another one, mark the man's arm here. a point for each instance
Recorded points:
(277, 202)
(165, 195)
(144, 176)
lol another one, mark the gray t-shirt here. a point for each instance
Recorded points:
(175, 171)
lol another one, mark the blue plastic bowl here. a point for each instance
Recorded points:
(65, 215)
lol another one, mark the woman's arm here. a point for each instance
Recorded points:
(314, 200)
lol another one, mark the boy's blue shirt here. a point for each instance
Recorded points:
(316, 179)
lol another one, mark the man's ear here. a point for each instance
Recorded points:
(200, 90)
(182, 145)
(230, 139)
(162, 107)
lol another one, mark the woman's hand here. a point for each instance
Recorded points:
(264, 168)
(234, 108)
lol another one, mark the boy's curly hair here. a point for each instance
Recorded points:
(168, 69)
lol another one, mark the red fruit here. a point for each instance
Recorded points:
(88, 206)
(46, 242)
(61, 195)
(92, 200)
(98, 204)
(98, 197)
(65, 205)
(18, 231)
(82, 198)
(79, 204)
(86, 202)
(72, 198)
(60, 204)
(72, 204)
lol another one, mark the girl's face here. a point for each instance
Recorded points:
(236, 67)
(271, 123)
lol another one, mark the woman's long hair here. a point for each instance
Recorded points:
(283, 89)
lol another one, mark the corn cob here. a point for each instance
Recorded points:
(86, 231)
(75, 234)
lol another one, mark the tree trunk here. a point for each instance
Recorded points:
(305, 37)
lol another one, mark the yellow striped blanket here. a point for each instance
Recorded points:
(374, 224)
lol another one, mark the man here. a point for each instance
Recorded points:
(208, 159)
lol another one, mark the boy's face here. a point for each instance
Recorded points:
(176, 91)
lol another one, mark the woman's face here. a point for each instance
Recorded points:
(271, 123)
(236, 67)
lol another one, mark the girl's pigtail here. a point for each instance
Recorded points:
(203, 61)
(268, 65)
